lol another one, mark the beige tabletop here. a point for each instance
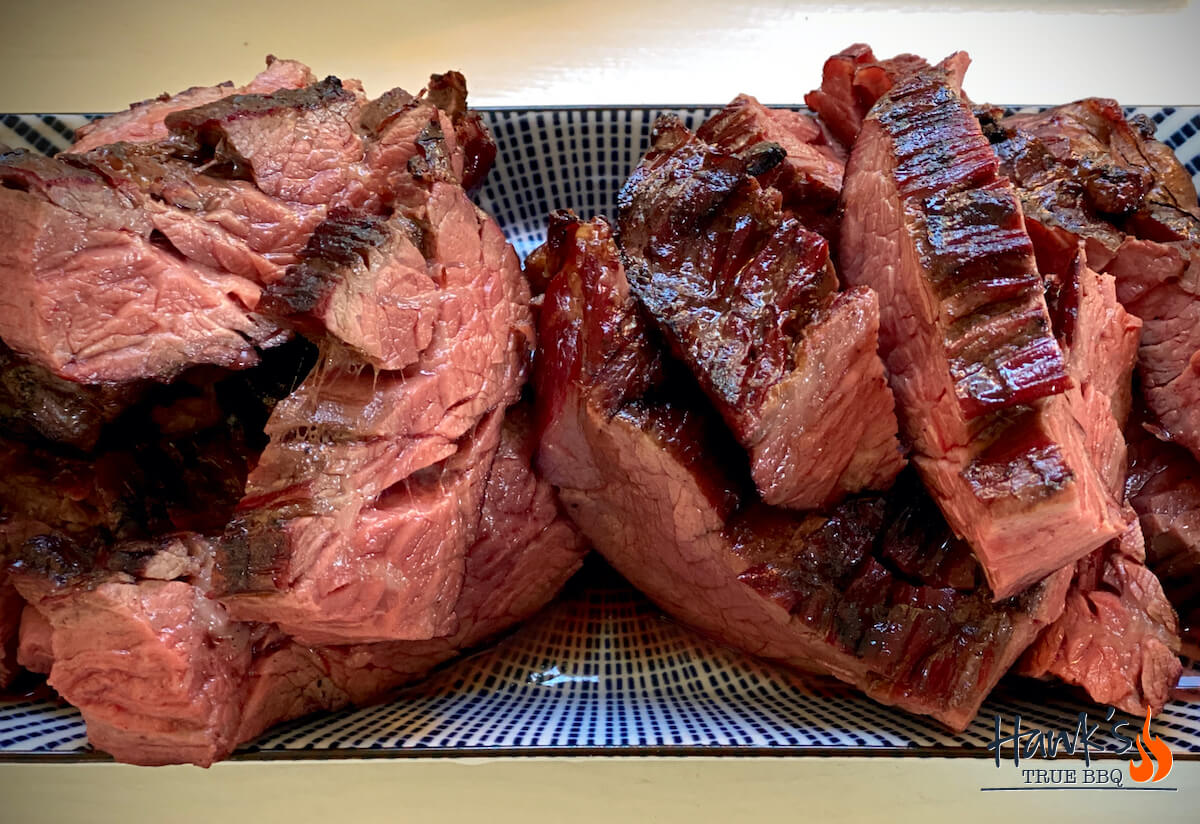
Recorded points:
(93, 55)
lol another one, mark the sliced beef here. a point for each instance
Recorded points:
(325, 146)
(95, 296)
(876, 592)
(746, 296)
(522, 553)
(296, 145)
(155, 666)
(979, 379)
(448, 92)
(206, 213)
(1163, 485)
(357, 561)
(1094, 162)
(853, 79)
(1099, 341)
(363, 279)
(143, 122)
(177, 459)
(130, 634)
(338, 540)
(93, 499)
(1160, 283)
(141, 259)
(352, 505)
(1087, 175)
(810, 175)
(1118, 637)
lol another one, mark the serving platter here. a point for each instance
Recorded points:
(601, 670)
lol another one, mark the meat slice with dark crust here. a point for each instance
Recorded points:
(338, 541)
(155, 666)
(1088, 175)
(746, 297)
(522, 552)
(296, 145)
(448, 92)
(136, 260)
(810, 175)
(853, 79)
(876, 591)
(326, 146)
(979, 378)
(143, 122)
(1118, 637)
(364, 280)
(1116, 169)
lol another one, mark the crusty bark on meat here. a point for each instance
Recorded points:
(188, 230)
(143, 122)
(875, 592)
(1086, 174)
(979, 378)
(810, 174)
(746, 296)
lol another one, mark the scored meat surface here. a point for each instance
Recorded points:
(868, 592)
(854, 79)
(747, 298)
(979, 379)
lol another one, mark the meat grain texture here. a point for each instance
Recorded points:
(302, 480)
(900, 394)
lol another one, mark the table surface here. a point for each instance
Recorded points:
(86, 56)
(73, 56)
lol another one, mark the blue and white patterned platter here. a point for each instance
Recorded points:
(601, 669)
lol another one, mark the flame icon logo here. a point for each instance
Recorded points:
(1141, 770)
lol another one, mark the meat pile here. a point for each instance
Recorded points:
(790, 309)
(904, 393)
(266, 451)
